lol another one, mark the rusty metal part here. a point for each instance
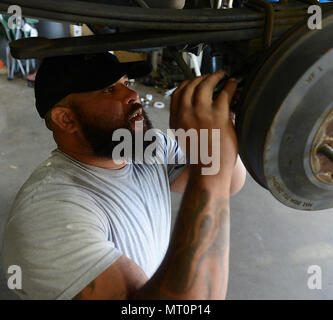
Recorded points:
(322, 151)
(269, 19)
(326, 150)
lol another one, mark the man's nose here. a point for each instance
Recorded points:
(131, 96)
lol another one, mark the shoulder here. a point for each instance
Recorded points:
(55, 185)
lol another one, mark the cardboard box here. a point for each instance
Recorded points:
(78, 31)
(126, 56)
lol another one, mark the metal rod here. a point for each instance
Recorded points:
(269, 19)
(327, 151)
(230, 4)
(217, 4)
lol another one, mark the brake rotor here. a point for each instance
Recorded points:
(285, 125)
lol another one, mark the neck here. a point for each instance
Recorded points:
(88, 157)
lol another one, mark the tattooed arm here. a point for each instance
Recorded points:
(196, 263)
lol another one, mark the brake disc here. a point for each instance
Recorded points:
(285, 125)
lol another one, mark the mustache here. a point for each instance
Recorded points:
(135, 107)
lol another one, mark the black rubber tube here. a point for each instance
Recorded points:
(90, 9)
(256, 20)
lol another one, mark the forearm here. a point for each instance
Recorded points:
(237, 181)
(196, 264)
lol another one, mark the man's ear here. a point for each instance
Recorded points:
(65, 119)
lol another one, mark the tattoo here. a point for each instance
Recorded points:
(199, 251)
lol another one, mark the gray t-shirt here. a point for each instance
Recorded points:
(70, 221)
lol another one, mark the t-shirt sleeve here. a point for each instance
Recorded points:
(175, 159)
(60, 245)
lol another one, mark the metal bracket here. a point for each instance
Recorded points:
(269, 18)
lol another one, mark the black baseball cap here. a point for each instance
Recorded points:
(59, 76)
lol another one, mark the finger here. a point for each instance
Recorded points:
(228, 92)
(179, 88)
(203, 95)
(174, 105)
(182, 97)
(187, 95)
(176, 94)
(223, 100)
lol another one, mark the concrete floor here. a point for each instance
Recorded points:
(272, 246)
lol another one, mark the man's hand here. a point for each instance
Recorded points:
(192, 107)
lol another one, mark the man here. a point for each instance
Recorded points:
(85, 226)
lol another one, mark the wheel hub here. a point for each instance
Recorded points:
(285, 124)
(322, 151)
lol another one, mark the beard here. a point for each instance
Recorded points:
(99, 135)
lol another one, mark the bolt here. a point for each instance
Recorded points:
(327, 151)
